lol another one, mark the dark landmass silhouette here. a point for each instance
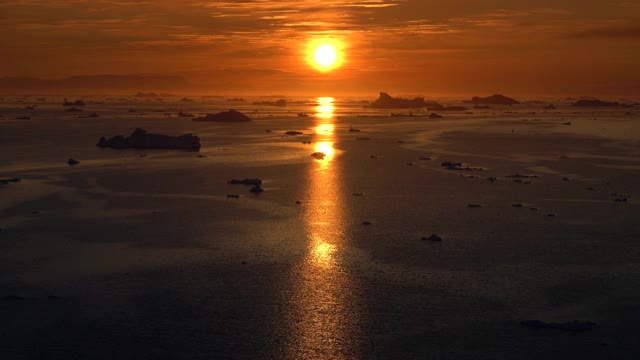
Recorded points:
(279, 103)
(225, 116)
(147, 95)
(595, 103)
(496, 99)
(236, 100)
(386, 101)
(140, 139)
(93, 83)
(142, 94)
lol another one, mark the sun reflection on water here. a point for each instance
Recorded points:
(325, 107)
(322, 303)
(325, 147)
(322, 253)
(324, 129)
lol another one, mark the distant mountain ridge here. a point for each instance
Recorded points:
(94, 83)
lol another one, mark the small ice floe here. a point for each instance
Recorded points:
(567, 123)
(245, 182)
(293, 133)
(458, 166)
(11, 180)
(256, 189)
(233, 196)
(298, 202)
(620, 198)
(492, 179)
(363, 138)
(319, 155)
(358, 194)
(450, 164)
(573, 326)
(619, 195)
(352, 129)
(522, 176)
(72, 162)
(551, 215)
(433, 237)
(367, 223)
(475, 206)
(517, 205)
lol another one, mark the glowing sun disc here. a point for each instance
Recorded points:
(325, 55)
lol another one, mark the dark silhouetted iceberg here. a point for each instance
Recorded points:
(140, 139)
(385, 101)
(225, 116)
(595, 103)
(494, 100)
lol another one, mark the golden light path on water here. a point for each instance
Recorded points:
(323, 294)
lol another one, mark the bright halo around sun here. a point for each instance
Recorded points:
(325, 54)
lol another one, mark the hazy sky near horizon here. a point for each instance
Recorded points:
(419, 46)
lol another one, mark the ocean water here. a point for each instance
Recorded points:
(141, 254)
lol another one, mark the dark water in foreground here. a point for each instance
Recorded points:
(140, 254)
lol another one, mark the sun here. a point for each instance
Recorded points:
(325, 54)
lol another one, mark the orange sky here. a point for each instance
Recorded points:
(429, 47)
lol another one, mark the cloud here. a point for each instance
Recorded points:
(610, 32)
